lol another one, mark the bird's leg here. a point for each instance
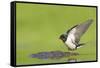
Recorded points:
(71, 50)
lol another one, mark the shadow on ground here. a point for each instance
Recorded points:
(55, 55)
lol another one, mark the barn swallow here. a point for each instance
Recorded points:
(72, 37)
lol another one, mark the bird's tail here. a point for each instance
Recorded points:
(80, 45)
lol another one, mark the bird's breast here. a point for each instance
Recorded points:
(69, 42)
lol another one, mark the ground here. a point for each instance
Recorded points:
(39, 27)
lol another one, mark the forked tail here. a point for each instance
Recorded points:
(80, 45)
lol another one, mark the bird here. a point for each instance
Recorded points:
(73, 35)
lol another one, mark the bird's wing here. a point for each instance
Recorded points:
(80, 29)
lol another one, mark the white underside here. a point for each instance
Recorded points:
(70, 44)
(70, 39)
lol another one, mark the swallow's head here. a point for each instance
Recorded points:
(63, 37)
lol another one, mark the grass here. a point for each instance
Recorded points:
(39, 27)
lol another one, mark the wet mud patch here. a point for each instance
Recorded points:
(53, 55)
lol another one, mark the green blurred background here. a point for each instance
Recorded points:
(38, 27)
